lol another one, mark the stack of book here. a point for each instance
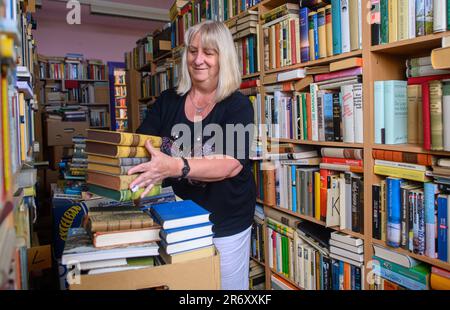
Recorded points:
(80, 252)
(257, 276)
(400, 269)
(110, 156)
(186, 231)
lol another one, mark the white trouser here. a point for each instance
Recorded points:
(234, 260)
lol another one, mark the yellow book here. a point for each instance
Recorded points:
(120, 161)
(414, 97)
(23, 150)
(121, 138)
(187, 255)
(403, 32)
(393, 20)
(439, 282)
(329, 30)
(409, 174)
(6, 138)
(115, 151)
(317, 195)
(116, 182)
(6, 46)
(353, 14)
(109, 169)
(322, 33)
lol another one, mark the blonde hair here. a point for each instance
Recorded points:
(217, 36)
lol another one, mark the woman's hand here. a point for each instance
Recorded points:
(160, 166)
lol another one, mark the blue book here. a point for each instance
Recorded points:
(395, 112)
(294, 188)
(393, 208)
(187, 245)
(336, 24)
(250, 40)
(316, 36)
(379, 111)
(442, 228)
(341, 275)
(304, 42)
(179, 214)
(328, 116)
(179, 234)
(430, 222)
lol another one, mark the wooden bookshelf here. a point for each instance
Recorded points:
(319, 143)
(257, 261)
(413, 148)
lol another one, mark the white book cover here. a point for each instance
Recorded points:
(301, 263)
(270, 246)
(342, 237)
(314, 120)
(333, 204)
(347, 254)
(345, 27)
(348, 113)
(291, 75)
(347, 260)
(342, 204)
(358, 112)
(400, 165)
(412, 18)
(355, 249)
(395, 257)
(439, 15)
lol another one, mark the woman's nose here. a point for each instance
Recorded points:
(199, 58)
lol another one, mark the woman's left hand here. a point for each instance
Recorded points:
(159, 167)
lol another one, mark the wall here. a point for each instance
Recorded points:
(99, 37)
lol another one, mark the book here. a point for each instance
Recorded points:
(109, 169)
(111, 181)
(344, 238)
(179, 214)
(346, 64)
(79, 248)
(187, 255)
(187, 232)
(125, 237)
(117, 162)
(113, 221)
(121, 195)
(115, 151)
(395, 257)
(187, 244)
(401, 173)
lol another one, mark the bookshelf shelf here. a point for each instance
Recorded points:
(249, 76)
(257, 261)
(423, 258)
(320, 143)
(95, 104)
(165, 55)
(314, 220)
(79, 80)
(317, 62)
(411, 46)
(232, 19)
(412, 148)
(286, 279)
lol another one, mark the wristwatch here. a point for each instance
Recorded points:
(186, 168)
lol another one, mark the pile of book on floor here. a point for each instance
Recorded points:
(186, 231)
(111, 155)
(256, 276)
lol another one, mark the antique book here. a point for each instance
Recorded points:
(121, 138)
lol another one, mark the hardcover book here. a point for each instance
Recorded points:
(179, 214)
(121, 138)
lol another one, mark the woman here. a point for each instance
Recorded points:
(206, 101)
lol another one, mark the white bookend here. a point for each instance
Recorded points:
(348, 113)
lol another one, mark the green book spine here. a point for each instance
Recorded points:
(384, 12)
(419, 273)
(123, 195)
(437, 141)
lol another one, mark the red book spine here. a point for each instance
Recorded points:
(338, 74)
(244, 56)
(293, 42)
(342, 161)
(249, 83)
(423, 79)
(426, 116)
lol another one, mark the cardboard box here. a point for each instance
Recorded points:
(61, 133)
(199, 274)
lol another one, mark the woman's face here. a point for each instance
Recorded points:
(203, 63)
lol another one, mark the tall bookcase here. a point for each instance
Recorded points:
(380, 62)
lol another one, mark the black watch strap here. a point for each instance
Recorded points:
(186, 168)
